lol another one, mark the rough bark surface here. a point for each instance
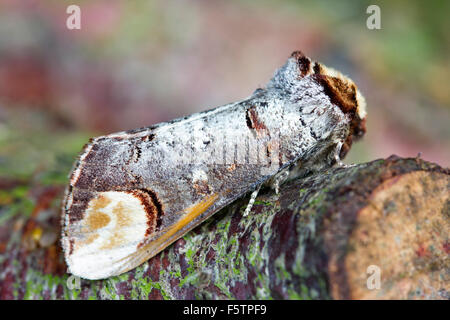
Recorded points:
(314, 240)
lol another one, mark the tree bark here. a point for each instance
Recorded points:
(326, 236)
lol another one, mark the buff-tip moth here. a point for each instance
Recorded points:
(133, 193)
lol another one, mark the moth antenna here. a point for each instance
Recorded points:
(252, 201)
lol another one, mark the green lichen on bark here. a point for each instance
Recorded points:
(279, 251)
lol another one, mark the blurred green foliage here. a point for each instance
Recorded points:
(169, 52)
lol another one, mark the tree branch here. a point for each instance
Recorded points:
(315, 240)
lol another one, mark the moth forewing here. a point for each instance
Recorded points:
(133, 193)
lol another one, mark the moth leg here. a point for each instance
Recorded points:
(252, 201)
(337, 151)
(279, 179)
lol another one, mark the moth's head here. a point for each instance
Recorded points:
(340, 89)
(344, 93)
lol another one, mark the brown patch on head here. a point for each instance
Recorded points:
(253, 122)
(303, 62)
(341, 93)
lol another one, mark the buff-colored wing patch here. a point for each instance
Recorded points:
(113, 235)
(114, 225)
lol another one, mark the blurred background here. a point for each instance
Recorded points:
(136, 63)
